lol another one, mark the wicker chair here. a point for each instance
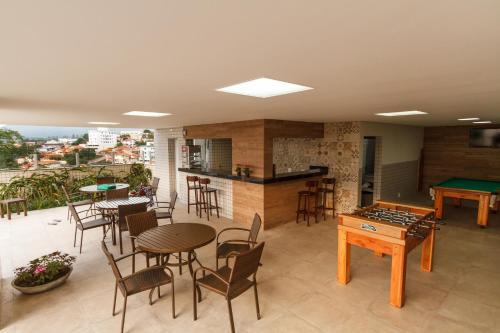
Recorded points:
(123, 212)
(165, 209)
(231, 281)
(137, 224)
(154, 186)
(143, 280)
(87, 223)
(105, 180)
(75, 199)
(121, 193)
(226, 247)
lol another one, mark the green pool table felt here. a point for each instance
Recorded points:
(471, 184)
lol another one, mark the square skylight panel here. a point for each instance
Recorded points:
(400, 113)
(264, 88)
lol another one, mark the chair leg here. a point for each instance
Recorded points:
(9, 213)
(81, 242)
(76, 229)
(189, 200)
(114, 300)
(124, 310)
(133, 263)
(216, 204)
(195, 305)
(173, 298)
(151, 296)
(25, 207)
(256, 300)
(298, 211)
(230, 309)
(147, 261)
(120, 239)
(180, 263)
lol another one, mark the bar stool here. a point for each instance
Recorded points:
(327, 187)
(206, 198)
(193, 184)
(303, 206)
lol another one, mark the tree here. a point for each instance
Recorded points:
(86, 155)
(79, 141)
(148, 134)
(12, 147)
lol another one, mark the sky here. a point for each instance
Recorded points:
(42, 132)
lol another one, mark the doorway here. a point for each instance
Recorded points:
(368, 170)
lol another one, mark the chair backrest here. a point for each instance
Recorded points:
(311, 185)
(192, 180)
(246, 264)
(105, 180)
(140, 222)
(255, 228)
(111, 261)
(74, 213)
(66, 195)
(154, 184)
(121, 193)
(173, 199)
(126, 210)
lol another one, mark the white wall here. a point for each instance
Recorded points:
(400, 143)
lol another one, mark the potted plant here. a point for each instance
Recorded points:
(44, 273)
(246, 171)
(238, 171)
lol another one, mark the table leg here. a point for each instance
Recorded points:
(398, 276)
(344, 258)
(438, 204)
(428, 252)
(113, 234)
(483, 211)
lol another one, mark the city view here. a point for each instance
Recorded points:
(37, 147)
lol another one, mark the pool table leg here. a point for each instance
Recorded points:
(483, 211)
(438, 204)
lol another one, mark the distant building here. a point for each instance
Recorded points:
(147, 152)
(134, 135)
(101, 139)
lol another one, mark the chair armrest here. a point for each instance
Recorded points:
(214, 273)
(229, 256)
(93, 215)
(228, 229)
(127, 255)
(237, 241)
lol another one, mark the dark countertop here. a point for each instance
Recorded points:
(312, 172)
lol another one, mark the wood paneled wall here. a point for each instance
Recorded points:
(252, 140)
(252, 144)
(447, 154)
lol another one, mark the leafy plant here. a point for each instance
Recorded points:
(44, 269)
(43, 189)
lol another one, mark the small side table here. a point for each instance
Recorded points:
(8, 203)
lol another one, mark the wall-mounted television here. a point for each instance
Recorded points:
(484, 137)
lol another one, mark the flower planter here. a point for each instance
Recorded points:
(43, 287)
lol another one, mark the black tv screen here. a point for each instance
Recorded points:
(485, 137)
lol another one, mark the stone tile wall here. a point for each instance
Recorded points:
(339, 150)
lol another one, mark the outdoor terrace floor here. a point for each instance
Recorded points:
(297, 284)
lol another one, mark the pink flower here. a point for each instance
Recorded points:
(39, 269)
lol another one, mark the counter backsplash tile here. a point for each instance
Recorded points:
(339, 150)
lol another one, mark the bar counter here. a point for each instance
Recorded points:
(313, 171)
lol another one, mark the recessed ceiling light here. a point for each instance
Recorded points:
(400, 113)
(482, 122)
(146, 114)
(103, 123)
(264, 88)
(467, 119)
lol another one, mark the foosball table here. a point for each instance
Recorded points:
(387, 228)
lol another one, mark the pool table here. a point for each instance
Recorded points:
(483, 191)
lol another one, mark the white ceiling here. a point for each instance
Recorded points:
(65, 63)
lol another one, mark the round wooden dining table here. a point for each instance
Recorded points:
(112, 205)
(177, 238)
(92, 189)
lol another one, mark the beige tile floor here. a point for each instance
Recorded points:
(297, 284)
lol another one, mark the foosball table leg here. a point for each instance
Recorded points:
(398, 276)
(428, 252)
(344, 258)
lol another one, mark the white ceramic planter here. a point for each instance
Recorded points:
(43, 287)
